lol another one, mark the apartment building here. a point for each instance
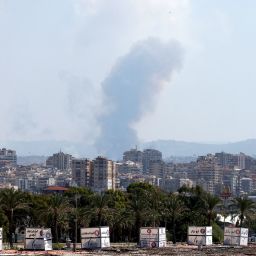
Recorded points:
(82, 172)
(133, 155)
(7, 157)
(60, 161)
(150, 155)
(103, 174)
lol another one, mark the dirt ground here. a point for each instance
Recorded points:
(128, 251)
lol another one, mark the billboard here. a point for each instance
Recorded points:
(200, 235)
(236, 236)
(1, 239)
(95, 237)
(38, 239)
(99, 242)
(200, 240)
(152, 237)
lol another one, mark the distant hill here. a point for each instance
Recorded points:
(182, 148)
(167, 147)
(27, 160)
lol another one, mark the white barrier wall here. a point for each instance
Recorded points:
(95, 238)
(1, 239)
(200, 235)
(38, 239)
(236, 236)
(152, 237)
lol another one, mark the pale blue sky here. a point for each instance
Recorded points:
(54, 56)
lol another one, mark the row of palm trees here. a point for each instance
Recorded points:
(124, 212)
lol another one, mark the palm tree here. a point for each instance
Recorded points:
(244, 207)
(56, 214)
(12, 203)
(139, 204)
(98, 210)
(209, 204)
(174, 208)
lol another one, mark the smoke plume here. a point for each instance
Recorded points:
(131, 89)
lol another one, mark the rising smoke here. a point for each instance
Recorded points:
(131, 89)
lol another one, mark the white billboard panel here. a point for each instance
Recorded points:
(152, 231)
(152, 237)
(1, 239)
(236, 236)
(104, 231)
(244, 241)
(38, 239)
(235, 240)
(146, 236)
(200, 240)
(152, 243)
(198, 231)
(91, 243)
(90, 232)
(34, 233)
(232, 231)
(34, 244)
(244, 232)
(95, 232)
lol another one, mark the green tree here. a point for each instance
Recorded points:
(98, 209)
(139, 195)
(174, 209)
(55, 214)
(209, 205)
(13, 204)
(245, 207)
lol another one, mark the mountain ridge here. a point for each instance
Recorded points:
(167, 147)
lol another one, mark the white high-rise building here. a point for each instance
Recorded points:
(103, 174)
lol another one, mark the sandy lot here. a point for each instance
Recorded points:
(171, 250)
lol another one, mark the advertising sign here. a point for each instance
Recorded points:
(152, 237)
(1, 239)
(95, 237)
(194, 231)
(236, 236)
(200, 240)
(90, 243)
(38, 239)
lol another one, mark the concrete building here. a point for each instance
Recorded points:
(241, 161)
(246, 186)
(133, 155)
(128, 167)
(148, 156)
(60, 161)
(231, 181)
(157, 168)
(82, 172)
(226, 160)
(103, 174)
(208, 173)
(7, 157)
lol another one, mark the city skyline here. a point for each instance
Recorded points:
(61, 59)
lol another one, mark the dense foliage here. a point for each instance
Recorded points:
(124, 212)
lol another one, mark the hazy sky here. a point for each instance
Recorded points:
(56, 54)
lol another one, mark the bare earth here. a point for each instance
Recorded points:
(171, 250)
